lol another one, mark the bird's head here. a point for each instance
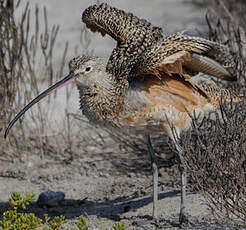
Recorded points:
(87, 71)
(84, 70)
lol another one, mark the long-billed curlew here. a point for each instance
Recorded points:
(148, 91)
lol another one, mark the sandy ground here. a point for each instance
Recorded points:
(105, 189)
(111, 186)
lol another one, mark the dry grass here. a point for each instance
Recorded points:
(26, 63)
(10, 60)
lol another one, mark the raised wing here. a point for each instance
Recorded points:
(179, 54)
(133, 35)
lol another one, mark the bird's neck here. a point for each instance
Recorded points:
(103, 102)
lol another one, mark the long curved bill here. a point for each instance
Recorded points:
(68, 79)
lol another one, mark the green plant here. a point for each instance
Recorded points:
(16, 201)
(55, 223)
(82, 224)
(14, 219)
(119, 226)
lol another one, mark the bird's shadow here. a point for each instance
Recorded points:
(110, 209)
(113, 209)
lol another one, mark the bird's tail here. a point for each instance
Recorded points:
(209, 57)
(218, 95)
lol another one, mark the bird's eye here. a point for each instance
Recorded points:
(88, 69)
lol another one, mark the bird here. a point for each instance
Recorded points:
(151, 91)
(134, 36)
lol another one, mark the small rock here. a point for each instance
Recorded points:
(50, 198)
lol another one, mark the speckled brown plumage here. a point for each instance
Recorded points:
(217, 95)
(187, 53)
(142, 104)
(101, 94)
(133, 35)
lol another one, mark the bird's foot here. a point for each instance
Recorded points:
(183, 219)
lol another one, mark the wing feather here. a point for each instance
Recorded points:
(195, 54)
(133, 35)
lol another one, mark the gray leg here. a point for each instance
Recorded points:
(182, 170)
(155, 176)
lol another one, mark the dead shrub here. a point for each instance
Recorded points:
(215, 149)
(10, 60)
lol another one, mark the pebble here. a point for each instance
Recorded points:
(50, 198)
